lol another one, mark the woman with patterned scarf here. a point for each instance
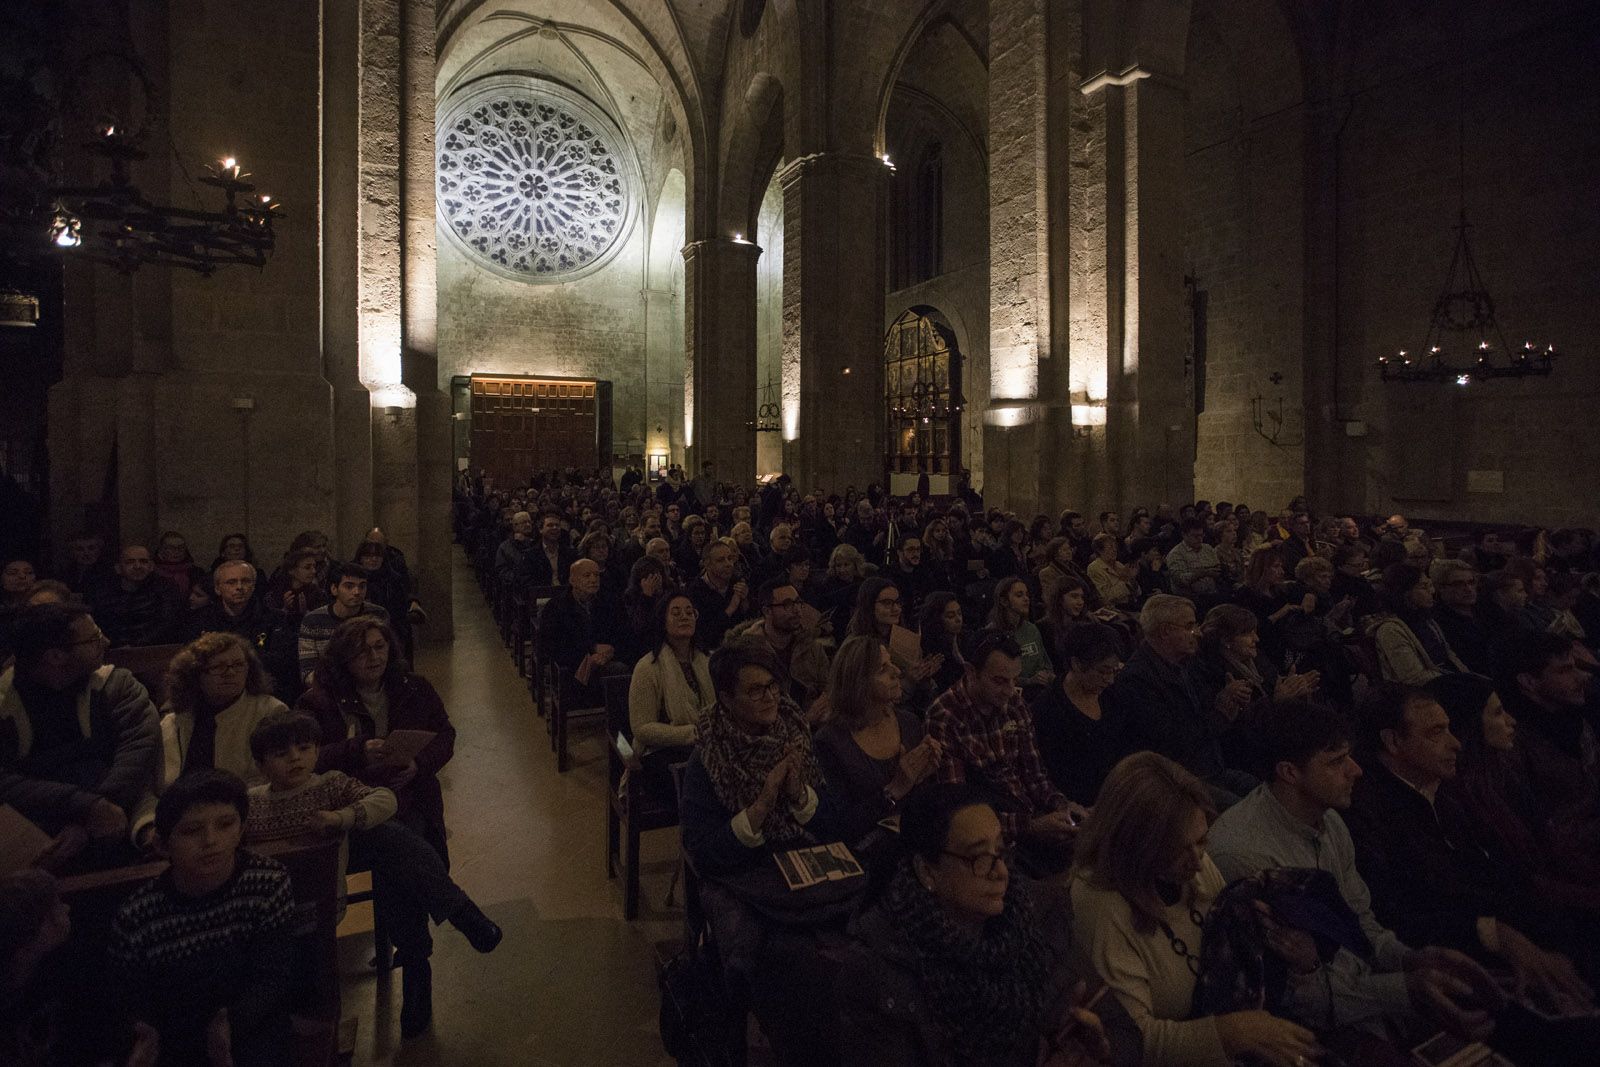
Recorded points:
(753, 783)
(958, 963)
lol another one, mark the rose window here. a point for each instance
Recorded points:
(531, 180)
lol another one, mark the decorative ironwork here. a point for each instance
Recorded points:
(922, 397)
(769, 416)
(532, 181)
(115, 223)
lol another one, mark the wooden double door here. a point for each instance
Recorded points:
(520, 425)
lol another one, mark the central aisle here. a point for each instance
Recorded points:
(572, 985)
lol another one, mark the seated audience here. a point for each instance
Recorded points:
(217, 693)
(802, 662)
(647, 581)
(1235, 682)
(692, 545)
(1431, 881)
(723, 601)
(1112, 580)
(1456, 586)
(985, 733)
(907, 572)
(137, 606)
(410, 880)
(872, 753)
(940, 632)
(1142, 884)
(1502, 606)
(88, 566)
(1265, 594)
(1076, 743)
(836, 590)
(1545, 855)
(347, 591)
(363, 691)
(1410, 646)
(203, 953)
(296, 589)
(233, 548)
(753, 782)
(581, 631)
(1149, 576)
(511, 557)
(1009, 615)
(1157, 708)
(1193, 567)
(175, 563)
(669, 691)
(236, 609)
(1292, 821)
(79, 741)
(1548, 691)
(956, 962)
(548, 561)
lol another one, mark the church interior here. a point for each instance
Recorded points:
(1184, 399)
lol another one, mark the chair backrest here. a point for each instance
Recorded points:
(148, 663)
(617, 722)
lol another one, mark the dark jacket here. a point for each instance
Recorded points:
(886, 1021)
(568, 631)
(1430, 878)
(116, 759)
(536, 565)
(1468, 638)
(708, 835)
(1157, 707)
(347, 726)
(269, 632)
(511, 559)
(150, 614)
(1078, 752)
(715, 621)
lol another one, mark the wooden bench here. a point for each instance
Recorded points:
(149, 664)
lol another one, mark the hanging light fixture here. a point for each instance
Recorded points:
(1464, 343)
(114, 222)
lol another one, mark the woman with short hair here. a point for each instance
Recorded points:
(957, 964)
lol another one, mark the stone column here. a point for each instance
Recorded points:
(833, 294)
(1149, 417)
(719, 326)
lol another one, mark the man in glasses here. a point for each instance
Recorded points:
(79, 741)
(235, 609)
(780, 630)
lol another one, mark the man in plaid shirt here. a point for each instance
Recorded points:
(987, 734)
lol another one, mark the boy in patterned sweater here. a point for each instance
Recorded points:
(204, 950)
(410, 882)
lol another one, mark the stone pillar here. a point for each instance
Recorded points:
(1149, 416)
(719, 326)
(833, 295)
(1026, 422)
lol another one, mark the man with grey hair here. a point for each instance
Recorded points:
(1456, 585)
(511, 558)
(235, 609)
(1155, 706)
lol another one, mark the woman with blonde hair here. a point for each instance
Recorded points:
(217, 691)
(1141, 886)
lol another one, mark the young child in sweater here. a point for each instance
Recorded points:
(296, 800)
(410, 882)
(204, 951)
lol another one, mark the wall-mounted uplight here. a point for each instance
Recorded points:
(738, 239)
(1086, 415)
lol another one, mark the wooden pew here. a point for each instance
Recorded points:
(148, 663)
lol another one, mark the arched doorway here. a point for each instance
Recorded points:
(922, 402)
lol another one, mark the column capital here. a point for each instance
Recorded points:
(710, 246)
(1121, 79)
(793, 171)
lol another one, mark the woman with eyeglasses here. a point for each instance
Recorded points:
(1077, 746)
(956, 963)
(1142, 884)
(879, 606)
(363, 690)
(670, 688)
(217, 691)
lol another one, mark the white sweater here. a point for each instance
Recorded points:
(660, 692)
(234, 726)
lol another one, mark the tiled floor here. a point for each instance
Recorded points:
(572, 984)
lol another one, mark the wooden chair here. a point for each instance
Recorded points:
(630, 809)
(148, 663)
(314, 874)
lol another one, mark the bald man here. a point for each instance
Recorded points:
(580, 630)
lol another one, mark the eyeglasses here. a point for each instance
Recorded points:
(770, 691)
(218, 670)
(683, 613)
(98, 638)
(779, 605)
(981, 865)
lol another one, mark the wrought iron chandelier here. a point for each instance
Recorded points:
(768, 419)
(113, 222)
(1465, 312)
